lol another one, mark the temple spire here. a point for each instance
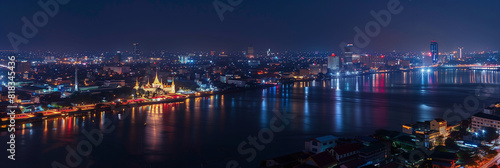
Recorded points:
(136, 84)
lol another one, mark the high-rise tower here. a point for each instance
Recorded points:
(434, 52)
(137, 51)
(348, 54)
(460, 48)
(333, 63)
(76, 79)
(250, 52)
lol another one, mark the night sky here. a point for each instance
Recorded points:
(299, 25)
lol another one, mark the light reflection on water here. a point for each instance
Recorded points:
(208, 130)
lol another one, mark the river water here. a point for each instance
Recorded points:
(206, 132)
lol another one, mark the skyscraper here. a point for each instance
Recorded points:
(461, 48)
(137, 51)
(348, 54)
(333, 63)
(118, 57)
(76, 79)
(434, 52)
(250, 52)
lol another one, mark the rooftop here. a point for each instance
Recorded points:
(324, 159)
(487, 116)
(326, 138)
(439, 120)
(346, 148)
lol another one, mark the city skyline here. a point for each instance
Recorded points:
(239, 83)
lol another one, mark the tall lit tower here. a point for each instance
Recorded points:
(250, 52)
(434, 52)
(460, 48)
(348, 54)
(137, 51)
(333, 63)
(76, 79)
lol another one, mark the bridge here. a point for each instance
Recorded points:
(464, 66)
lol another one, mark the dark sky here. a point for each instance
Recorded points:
(299, 25)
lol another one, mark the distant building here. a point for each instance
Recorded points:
(118, 83)
(372, 61)
(137, 51)
(427, 60)
(333, 63)
(434, 52)
(318, 68)
(304, 72)
(184, 59)
(348, 53)
(118, 69)
(493, 109)
(253, 63)
(118, 57)
(22, 67)
(460, 48)
(238, 83)
(250, 53)
(157, 85)
(405, 63)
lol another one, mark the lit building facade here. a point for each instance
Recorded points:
(481, 120)
(333, 63)
(434, 52)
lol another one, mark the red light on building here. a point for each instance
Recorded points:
(382, 56)
(333, 54)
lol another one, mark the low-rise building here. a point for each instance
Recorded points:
(320, 160)
(439, 125)
(493, 109)
(320, 144)
(443, 159)
(429, 138)
(481, 120)
(238, 83)
(346, 152)
(374, 152)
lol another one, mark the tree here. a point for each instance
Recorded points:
(467, 158)
(441, 149)
(450, 143)
(491, 153)
(455, 135)
(440, 140)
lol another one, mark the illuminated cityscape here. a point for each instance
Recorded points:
(245, 84)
